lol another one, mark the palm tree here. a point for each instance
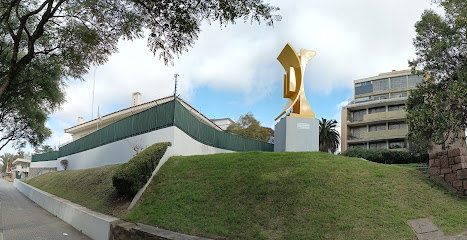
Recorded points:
(329, 138)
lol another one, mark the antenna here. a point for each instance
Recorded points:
(93, 87)
(175, 92)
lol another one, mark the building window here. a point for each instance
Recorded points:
(414, 80)
(362, 84)
(361, 145)
(381, 97)
(398, 83)
(377, 110)
(377, 127)
(381, 85)
(378, 145)
(362, 99)
(357, 133)
(398, 125)
(397, 144)
(399, 107)
(399, 94)
(357, 116)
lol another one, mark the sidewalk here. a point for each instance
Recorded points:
(23, 219)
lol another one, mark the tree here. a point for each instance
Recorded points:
(248, 127)
(44, 149)
(437, 110)
(45, 42)
(7, 159)
(329, 138)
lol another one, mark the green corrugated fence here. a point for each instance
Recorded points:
(48, 156)
(157, 117)
(212, 137)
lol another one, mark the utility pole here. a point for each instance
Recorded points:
(175, 92)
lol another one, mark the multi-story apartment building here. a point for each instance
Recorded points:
(375, 119)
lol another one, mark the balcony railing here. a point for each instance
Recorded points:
(379, 135)
(381, 116)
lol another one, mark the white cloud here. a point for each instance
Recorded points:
(353, 39)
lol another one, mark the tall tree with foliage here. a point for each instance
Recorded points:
(329, 138)
(437, 110)
(248, 127)
(45, 42)
(7, 159)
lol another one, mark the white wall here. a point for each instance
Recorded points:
(116, 152)
(187, 146)
(44, 164)
(121, 151)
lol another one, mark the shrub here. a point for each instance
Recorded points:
(130, 177)
(64, 164)
(385, 156)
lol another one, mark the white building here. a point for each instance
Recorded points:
(20, 168)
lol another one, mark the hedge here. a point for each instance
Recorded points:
(386, 156)
(130, 177)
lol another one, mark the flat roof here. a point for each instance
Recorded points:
(385, 75)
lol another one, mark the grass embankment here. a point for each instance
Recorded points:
(294, 196)
(272, 196)
(91, 188)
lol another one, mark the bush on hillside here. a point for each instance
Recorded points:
(385, 156)
(130, 177)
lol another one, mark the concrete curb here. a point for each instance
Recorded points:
(93, 224)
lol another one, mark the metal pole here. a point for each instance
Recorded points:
(175, 92)
(93, 87)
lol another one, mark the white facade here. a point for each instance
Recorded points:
(20, 167)
(223, 122)
(122, 151)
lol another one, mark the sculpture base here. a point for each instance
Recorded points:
(294, 134)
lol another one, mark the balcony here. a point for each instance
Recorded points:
(380, 135)
(379, 118)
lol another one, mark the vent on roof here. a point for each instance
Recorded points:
(80, 120)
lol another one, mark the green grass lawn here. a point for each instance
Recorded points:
(91, 188)
(259, 195)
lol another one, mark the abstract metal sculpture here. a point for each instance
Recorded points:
(294, 65)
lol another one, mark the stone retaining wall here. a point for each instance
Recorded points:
(451, 165)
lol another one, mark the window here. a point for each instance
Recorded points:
(362, 145)
(381, 85)
(396, 107)
(397, 144)
(398, 125)
(399, 94)
(377, 110)
(357, 133)
(362, 84)
(358, 115)
(363, 99)
(378, 127)
(398, 82)
(414, 80)
(381, 97)
(378, 145)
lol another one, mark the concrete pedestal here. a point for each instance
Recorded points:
(293, 134)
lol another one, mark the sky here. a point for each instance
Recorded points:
(233, 70)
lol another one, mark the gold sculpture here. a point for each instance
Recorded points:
(294, 65)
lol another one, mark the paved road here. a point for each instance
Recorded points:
(21, 218)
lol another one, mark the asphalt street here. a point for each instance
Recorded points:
(21, 218)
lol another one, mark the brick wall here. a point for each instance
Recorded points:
(451, 165)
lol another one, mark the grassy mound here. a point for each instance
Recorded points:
(260, 195)
(91, 188)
